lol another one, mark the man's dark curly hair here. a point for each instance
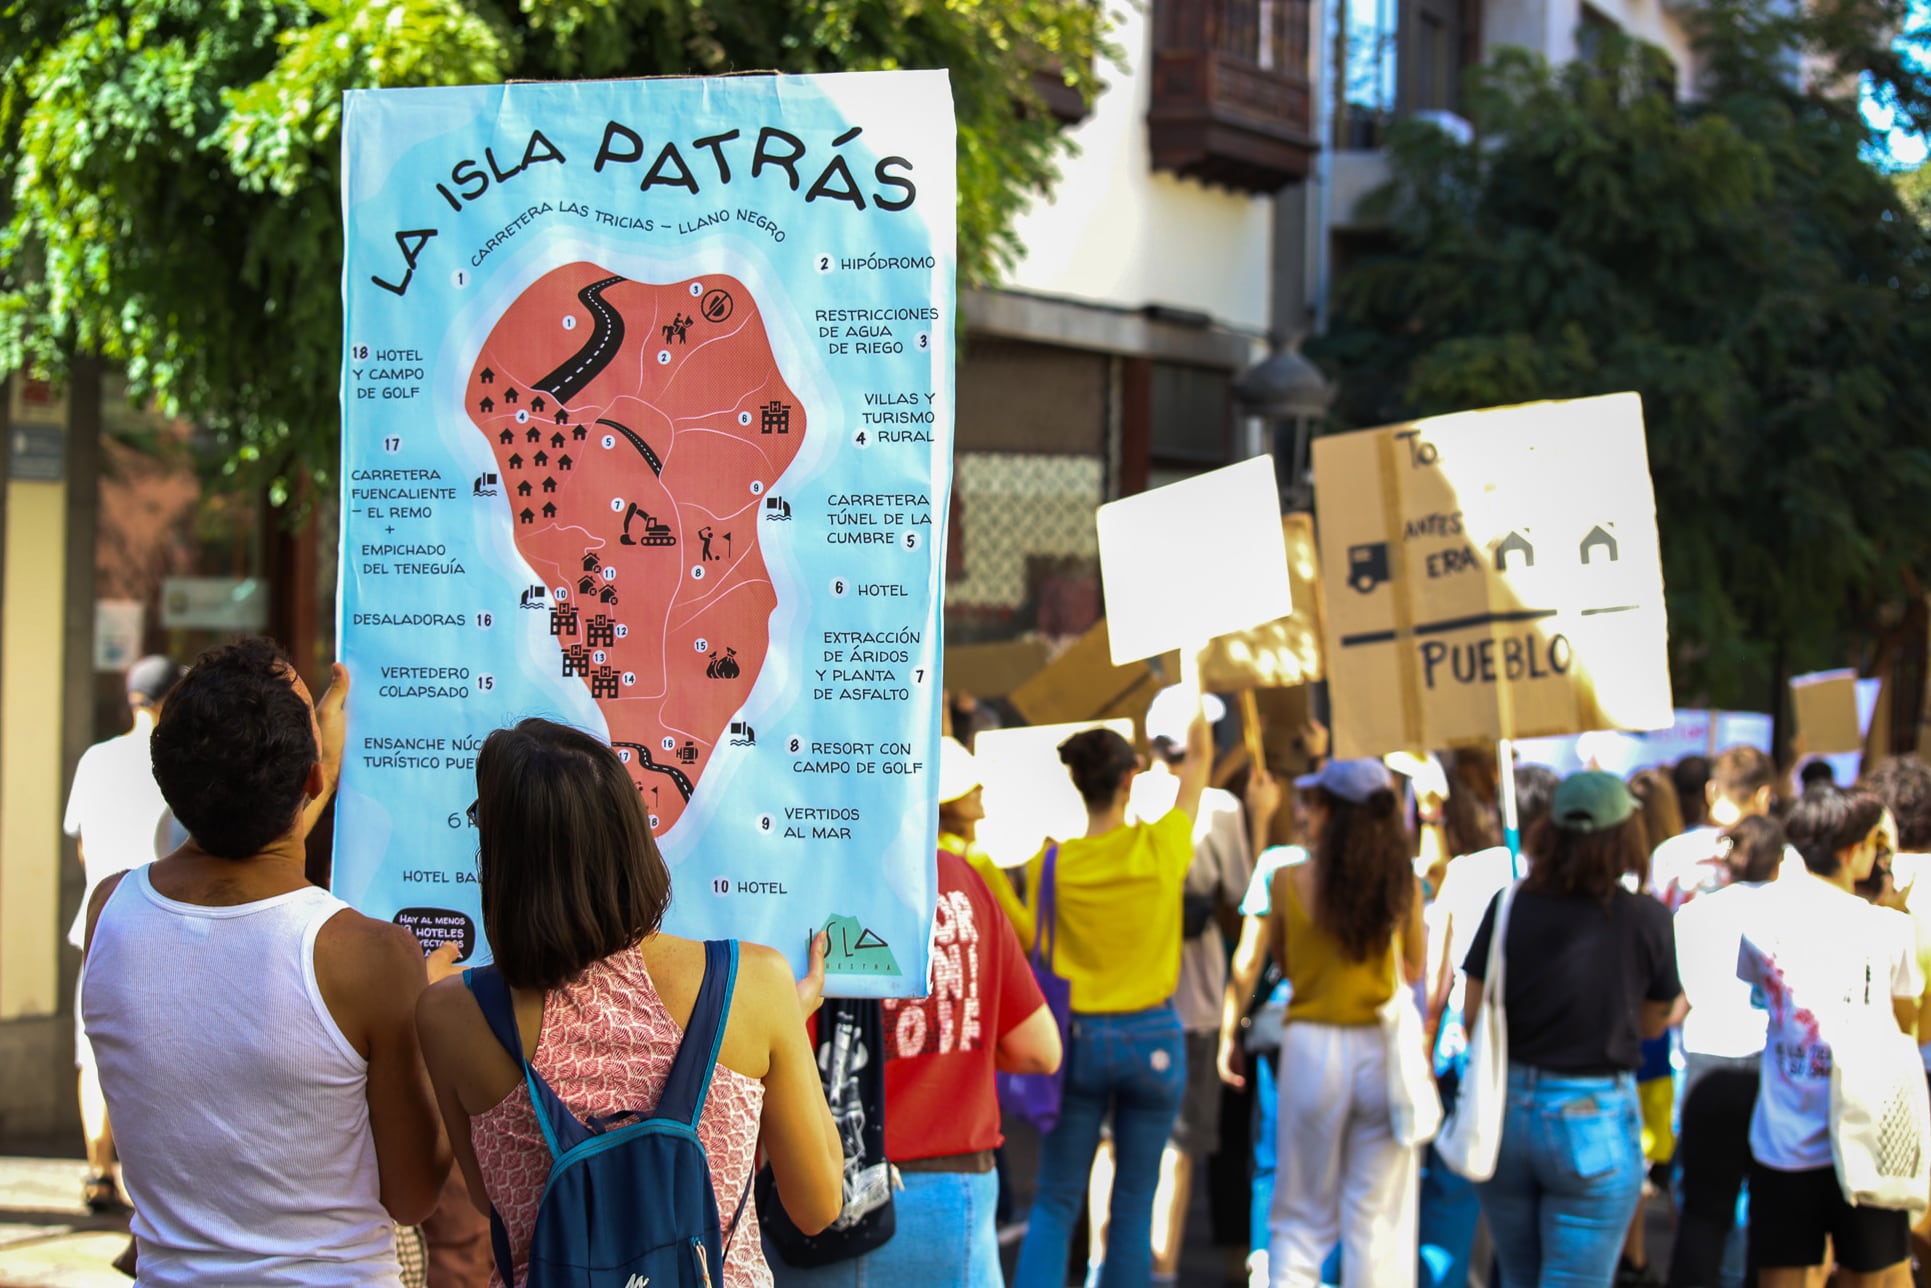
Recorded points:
(233, 747)
(1904, 785)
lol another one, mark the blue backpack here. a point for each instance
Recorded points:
(628, 1201)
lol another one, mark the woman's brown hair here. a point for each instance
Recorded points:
(566, 865)
(1660, 807)
(1590, 864)
(1364, 871)
(1755, 849)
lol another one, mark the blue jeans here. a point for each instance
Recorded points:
(1133, 1066)
(1450, 1209)
(1567, 1179)
(1262, 1076)
(945, 1239)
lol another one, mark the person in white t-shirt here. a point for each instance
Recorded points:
(1742, 785)
(116, 811)
(1903, 783)
(1723, 1035)
(1814, 951)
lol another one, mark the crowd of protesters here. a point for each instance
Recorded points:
(288, 1090)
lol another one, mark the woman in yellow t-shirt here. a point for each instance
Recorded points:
(1117, 895)
(1345, 926)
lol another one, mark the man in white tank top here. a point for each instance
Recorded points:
(256, 1036)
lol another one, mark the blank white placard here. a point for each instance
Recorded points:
(1195, 559)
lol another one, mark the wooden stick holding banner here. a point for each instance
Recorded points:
(1190, 671)
(1511, 819)
(1250, 727)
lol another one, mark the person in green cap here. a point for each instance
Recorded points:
(1590, 971)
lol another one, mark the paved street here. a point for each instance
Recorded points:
(47, 1237)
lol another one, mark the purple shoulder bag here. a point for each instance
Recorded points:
(1035, 1097)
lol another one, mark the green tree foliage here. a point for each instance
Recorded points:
(1732, 258)
(1915, 188)
(172, 167)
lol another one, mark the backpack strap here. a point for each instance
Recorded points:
(689, 1083)
(493, 999)
(499, 1010)
(561, 1129)
(737, 1216)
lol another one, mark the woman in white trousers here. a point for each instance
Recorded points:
(1346, 927)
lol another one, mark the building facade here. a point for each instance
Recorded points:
(1104, 364)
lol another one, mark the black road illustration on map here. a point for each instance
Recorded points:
(644, 761)
(643, 448)
(586, 364)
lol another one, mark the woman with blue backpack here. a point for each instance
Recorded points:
(607, 1086)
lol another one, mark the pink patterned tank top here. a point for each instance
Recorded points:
(606, 1046)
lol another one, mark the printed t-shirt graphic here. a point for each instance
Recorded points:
(939, 1048)
(636, 429)
(1812, 953)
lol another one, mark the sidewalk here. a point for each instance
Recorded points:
(47, 1237)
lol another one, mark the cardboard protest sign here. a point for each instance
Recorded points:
(1082, 683)
(647, 428)
(1028, 794)
(993, 670)
(1492, 574)
(1826, 707)
(1278, 654)
(1193, 560)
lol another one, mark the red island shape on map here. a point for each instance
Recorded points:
(637, 429)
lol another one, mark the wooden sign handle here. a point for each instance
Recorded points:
(1250, 725)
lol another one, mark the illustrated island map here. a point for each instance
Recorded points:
(638, 430)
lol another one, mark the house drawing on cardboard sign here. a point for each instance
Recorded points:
(1513, 544)
(1599, 538)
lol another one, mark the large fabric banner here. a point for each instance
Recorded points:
(647, 428)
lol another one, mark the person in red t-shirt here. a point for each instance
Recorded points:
(941, 1113)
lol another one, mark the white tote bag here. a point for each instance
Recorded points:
(1414, 1103)
(1472, 1136)
(1880, 1111)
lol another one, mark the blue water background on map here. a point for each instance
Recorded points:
(402, 840)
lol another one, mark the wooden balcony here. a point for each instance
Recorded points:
(1061, 100)
(1231, 101)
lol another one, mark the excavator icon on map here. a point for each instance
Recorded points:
(856, 950)
(655, 533)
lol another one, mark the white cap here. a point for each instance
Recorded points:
(1172, 711)
(958, 771)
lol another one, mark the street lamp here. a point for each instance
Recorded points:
(1290, 393)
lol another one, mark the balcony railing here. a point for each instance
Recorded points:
(1231, 100)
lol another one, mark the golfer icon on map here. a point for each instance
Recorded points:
(660, 408)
